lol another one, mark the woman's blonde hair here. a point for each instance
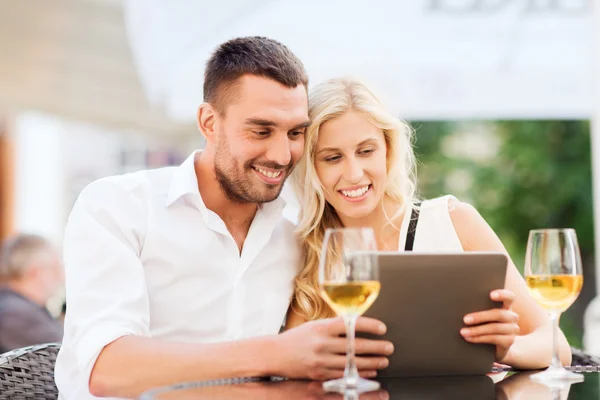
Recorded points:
(327, 101)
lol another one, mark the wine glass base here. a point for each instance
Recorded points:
(557, 375)
(358, 385)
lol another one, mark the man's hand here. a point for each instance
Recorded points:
(316, 350)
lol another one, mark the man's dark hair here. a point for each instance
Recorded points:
(254, 55)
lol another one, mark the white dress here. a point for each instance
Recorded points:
(435, 231)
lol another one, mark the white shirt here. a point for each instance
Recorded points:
(144, 256)
(435, 231)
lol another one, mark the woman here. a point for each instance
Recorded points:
(359, 170)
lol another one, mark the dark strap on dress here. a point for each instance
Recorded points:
(412, 228)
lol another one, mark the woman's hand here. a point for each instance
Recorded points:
(498, 326)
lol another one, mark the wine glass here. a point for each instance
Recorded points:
(554, 276)
(349, 283)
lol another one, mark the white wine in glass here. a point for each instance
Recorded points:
(349, 283)
(353, 298)
(554, 276)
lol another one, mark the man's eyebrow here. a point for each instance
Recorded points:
(260, 122)
(302, 125)
(268, 123)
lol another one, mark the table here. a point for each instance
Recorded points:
(507, 386)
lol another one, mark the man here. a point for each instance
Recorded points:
(30, 274)
(186, 273)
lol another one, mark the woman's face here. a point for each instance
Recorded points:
(350, 160)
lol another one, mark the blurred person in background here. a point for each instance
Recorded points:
(30, 275)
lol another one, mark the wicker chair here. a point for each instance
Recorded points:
(582, 358)
(28, 373)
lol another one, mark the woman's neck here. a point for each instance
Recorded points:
(384, 221)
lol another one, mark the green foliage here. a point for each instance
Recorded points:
(520, 175)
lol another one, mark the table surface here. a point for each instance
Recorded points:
(502, 385)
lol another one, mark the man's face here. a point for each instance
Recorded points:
(260, 138)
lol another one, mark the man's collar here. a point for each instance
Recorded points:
(184, 180)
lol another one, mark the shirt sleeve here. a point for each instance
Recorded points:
(106, 291)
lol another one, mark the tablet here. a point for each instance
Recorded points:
(423, 300)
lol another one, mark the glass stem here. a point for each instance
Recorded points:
(350, 372)
(556, 363)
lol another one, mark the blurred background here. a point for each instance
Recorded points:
(502, 95)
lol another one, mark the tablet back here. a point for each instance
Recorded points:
(423, 300)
